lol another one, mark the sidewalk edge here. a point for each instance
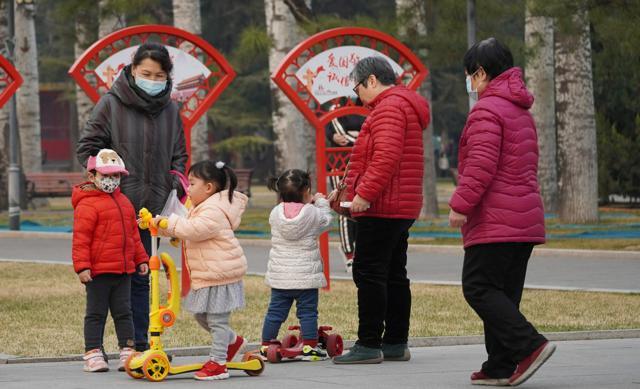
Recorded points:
(432, 341)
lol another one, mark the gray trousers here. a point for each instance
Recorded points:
(221, 334)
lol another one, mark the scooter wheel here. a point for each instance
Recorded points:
(273, 353)
(334, 345)
(289, 340)
(133, 373)
(254, 373)
(156, 367)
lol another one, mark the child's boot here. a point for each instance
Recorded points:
(212, 371)
(94, 361)
(125, 352)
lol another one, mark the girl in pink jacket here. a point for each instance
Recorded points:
(215, 260)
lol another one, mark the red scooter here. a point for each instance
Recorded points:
(291, 345)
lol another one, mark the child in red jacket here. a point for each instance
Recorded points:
(106, 251)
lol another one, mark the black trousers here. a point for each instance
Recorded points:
(380, 274)
(140, 299)
(108, 292)
(492, 282)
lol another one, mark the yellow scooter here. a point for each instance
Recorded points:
(154, 364)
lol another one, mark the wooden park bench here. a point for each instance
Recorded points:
(51, 184)
(244, 180)
(60, 184)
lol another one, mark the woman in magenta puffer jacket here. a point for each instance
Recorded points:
(498, 205)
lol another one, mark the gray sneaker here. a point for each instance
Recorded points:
(396, 352)
(359, 355)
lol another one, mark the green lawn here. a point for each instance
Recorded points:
(43, 308)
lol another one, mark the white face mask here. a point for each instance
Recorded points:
(108, 184)
(473, 94)
(152, 88)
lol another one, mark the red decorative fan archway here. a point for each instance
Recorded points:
(10, 80)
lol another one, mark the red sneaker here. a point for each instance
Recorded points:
(530, 364)
(234, 347)
(480, 378)
(212, 371)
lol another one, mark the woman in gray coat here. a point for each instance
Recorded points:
(138, 119)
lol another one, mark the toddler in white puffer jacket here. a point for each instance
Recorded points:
(295, 270)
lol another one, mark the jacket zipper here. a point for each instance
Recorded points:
(124, 233)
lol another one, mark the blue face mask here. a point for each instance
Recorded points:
(152, 88)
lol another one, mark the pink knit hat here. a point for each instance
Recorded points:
(107, 162)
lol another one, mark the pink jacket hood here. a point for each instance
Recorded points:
(509, 85)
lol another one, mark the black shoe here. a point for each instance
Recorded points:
(359, 355)
(396, 352)
(142, 347)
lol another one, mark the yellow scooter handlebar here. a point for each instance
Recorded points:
(145, 220)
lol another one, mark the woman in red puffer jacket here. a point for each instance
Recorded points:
(385, 183)
(498, 205)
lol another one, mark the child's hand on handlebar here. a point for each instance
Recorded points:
(160, 221)
(85, 276)
(143, 269)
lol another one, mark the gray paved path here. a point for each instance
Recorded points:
(577, 364)
(588, 270)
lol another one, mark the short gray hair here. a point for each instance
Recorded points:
(378, 66)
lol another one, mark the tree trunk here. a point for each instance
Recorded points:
(4, 117)
(84, 105)
(577, 155)
(28, 96)
(111, 19)
(412, 18)
(471, 31)
(539, 72)
(186, 16)
(294, 143)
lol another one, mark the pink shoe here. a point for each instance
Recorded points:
(94, 361)
(530, 364)
(125, 352)
(234, 347)
(212, 371)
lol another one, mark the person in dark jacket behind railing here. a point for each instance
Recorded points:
(138, 119)
(385, 183)
(342, 132)
(497, 204)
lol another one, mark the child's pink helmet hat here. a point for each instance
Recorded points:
(107, 161)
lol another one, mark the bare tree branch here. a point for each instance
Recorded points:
(301, 12)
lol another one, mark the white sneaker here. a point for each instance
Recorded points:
(125, 352)
(94, 361)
